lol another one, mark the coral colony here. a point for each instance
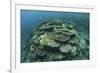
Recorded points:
(55, 40)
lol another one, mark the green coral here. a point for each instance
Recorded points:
(55, 40)
(47, 40)
(61, 37)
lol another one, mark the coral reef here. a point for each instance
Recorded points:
(55, 40)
